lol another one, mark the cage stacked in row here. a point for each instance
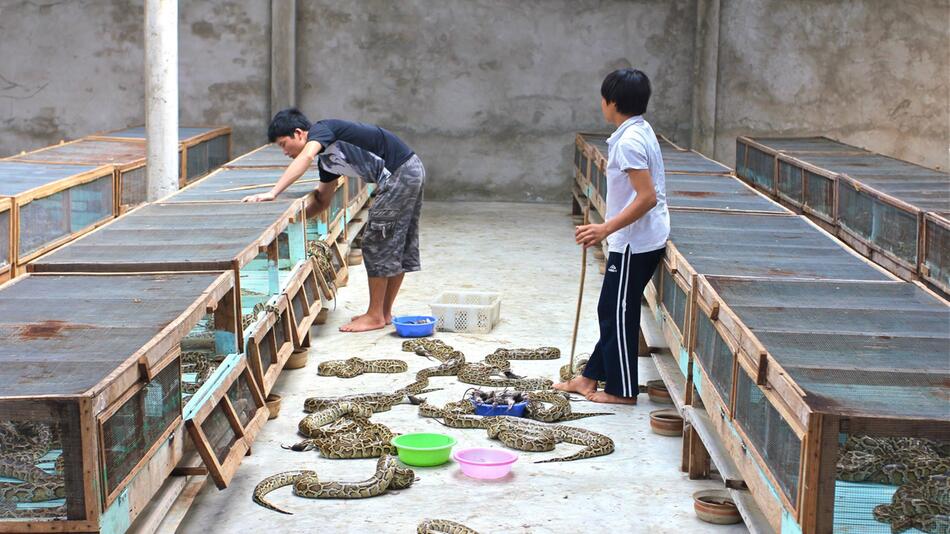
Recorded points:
(892, 211)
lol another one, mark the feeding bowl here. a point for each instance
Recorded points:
(423, 449)
(716, 506)
(484, 463)
(658, 393)
(487, 409)
(414, 325)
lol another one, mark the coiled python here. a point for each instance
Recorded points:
(389, 475)
(379, 402)
(344, 431)
(354, 367)
(495, 369)
(443, 526)
(923, 504)
(523, 435)
(22, 445)
(322, 255)
(891, 460)
(535, 409)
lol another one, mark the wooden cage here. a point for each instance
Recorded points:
(95, 392)
(53, 204)
(757, 161)
(789, 370)
(201, 149)
(260, 242)
(746, 244)
(126, 157)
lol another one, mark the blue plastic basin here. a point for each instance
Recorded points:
(405, 327)
(516, 410)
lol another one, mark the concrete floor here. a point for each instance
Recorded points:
(527, 253)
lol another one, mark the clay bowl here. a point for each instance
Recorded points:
(716, 506)
(658, 393)
(297, 360)
(322, 316)
(273, 405)
(355, 257)
(666, 422)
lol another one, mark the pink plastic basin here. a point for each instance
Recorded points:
(485, 463)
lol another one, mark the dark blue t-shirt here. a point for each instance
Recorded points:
(379, 141)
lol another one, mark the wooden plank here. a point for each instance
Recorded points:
(180, 507)
(752, 516)
(742, 468)
(672, 377)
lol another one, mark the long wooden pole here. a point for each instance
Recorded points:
(580, 292)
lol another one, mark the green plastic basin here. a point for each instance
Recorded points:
(423, 449)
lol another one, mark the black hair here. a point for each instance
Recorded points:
(629, 89)
(286, 122)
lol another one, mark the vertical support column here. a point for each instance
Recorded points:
(705, 77)
(297, 239)
(161, 97)
(227, 325)
(283, 54)
(273, 273)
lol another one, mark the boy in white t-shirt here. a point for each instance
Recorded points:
(636, 229)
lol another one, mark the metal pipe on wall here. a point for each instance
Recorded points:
(161, 97)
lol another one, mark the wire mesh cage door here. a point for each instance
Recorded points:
(42, 463)
(136, 425)
(6, 237)
(225, 421)
(935, 253)
(269, 344)
(878, 476)
(305, 303)
(878, 222)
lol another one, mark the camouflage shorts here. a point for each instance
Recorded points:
(391, 238)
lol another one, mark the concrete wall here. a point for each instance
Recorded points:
(489, 93)
(68, 69)
(872, 73)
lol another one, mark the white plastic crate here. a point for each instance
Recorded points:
(466, 311)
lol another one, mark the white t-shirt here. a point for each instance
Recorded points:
(634, 146)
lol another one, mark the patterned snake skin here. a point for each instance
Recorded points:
(523, 435)
(354, 367)
(322, 255)
(495, 369)
(389, 475)
(560, 411)
(923, 504)
(893, 461)
(22, 445)
(443, 526)
(921, 468)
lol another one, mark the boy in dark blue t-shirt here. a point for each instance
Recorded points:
(367, 152)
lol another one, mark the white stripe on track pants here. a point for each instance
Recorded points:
(614, 359)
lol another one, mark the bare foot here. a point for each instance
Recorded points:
(579, 384)
(607, 398)
(389, 318)
(363, 324)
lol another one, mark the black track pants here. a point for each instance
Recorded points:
(614, 359)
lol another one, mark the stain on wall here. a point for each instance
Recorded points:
(490, 93)
(69, 69)
(224, 68)
(871, 73)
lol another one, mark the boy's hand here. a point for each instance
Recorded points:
(259, 197)
(589, 235)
